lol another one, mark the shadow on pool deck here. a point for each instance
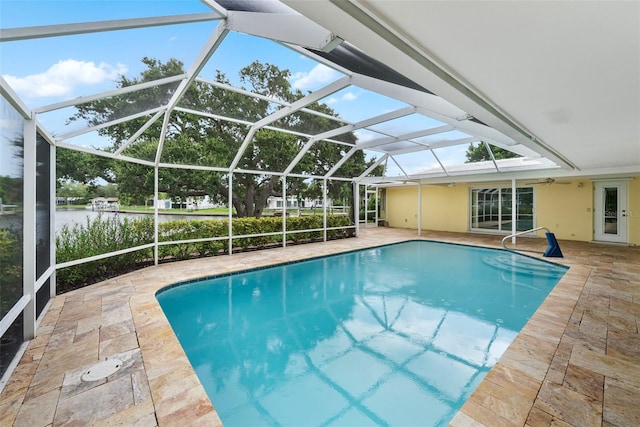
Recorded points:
(576, 362)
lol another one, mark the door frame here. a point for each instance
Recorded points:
(599, 233)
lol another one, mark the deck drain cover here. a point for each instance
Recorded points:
(102, 370)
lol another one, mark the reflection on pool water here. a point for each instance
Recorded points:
(397, 335)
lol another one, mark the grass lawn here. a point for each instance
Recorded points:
(211, 211)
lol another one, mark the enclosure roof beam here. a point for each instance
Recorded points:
(303, 102)
(424, 100)
(212, 116)
(377, 163)
(26, 33)
(442, 144)
(268, 99)
(241, 91)
(406, 136)
(362, 124)
(8, 93)
(102, 153)
(193, 167)
(450, 142)
(337, 166)
(110, 123)
(285, 111)
(216, 7)
(435, 156)
(243, 147)
(392, 115)
(115, 92)
(207, 51)
(465, 124)
(287, 28)
(209, 48)
(367, 122)
(399, 167)
(493, 158)
(163, 137)
(248, 123)
(434, 107)
(299, 156)
(139, 132)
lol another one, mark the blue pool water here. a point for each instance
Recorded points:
(397, 335)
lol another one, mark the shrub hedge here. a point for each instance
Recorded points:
(10, 269)
(109, 233)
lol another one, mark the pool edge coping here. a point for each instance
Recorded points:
(528, 360)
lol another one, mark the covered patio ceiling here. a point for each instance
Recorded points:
(561, 78)
(556, 83)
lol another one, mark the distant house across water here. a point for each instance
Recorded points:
(103, 204)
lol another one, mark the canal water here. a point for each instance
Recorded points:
(70, 217)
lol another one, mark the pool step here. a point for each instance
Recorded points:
(520, 264)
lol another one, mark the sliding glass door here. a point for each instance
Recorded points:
(491, 209)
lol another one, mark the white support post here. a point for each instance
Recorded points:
(155, 214)
(514, 206)
(29, 228)
(230, 205)
(364, 208)
(284, 211)
(52, 220)
(324, 207)
(356, 206)
(419, 209)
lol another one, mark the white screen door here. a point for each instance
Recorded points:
(610, 211)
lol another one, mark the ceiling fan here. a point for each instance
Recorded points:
(548, 181)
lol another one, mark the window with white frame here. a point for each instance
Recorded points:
(491, 209)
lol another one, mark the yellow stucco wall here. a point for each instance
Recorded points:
(402, 207)
(566, 209)
(445, 208)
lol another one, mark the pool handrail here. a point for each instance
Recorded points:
(522, 232)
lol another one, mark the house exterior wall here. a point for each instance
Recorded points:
(402, 207)
(445, 208)
(566, 209)
(634, 210)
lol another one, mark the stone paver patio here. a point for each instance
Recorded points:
(576, 362)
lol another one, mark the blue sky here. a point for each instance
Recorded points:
(50, 70)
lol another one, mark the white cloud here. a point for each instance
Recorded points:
(318, 76)
(349, 96)
(63, 77)
(363, 136)
(11, 124)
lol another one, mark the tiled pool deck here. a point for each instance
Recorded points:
(576, 362)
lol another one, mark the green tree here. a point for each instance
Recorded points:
(11, 190)
(82, 167)
(71, 189)
(479, 153)
(107, 190)
(202, 141)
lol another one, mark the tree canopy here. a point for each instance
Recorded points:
(193, 139)
(479, 153)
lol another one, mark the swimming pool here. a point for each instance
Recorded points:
(394, 335)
